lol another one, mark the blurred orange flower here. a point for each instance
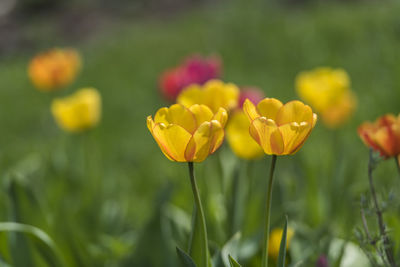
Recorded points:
(328, 91)
(279, 129)
(383, 135)
(54, 69)
(188, 134)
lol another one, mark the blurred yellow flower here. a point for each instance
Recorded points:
(279, 129)
(78, 112)
(54, 69)
(274, 241)
(188, 134)
(239, 139)
(215, 94)
(328, 92)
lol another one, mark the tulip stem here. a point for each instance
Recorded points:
(199, 224)
(264, 262)
(397, 159)
(386, 241)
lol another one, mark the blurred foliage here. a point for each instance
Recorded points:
(110, 198)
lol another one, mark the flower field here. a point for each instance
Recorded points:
(223, 134)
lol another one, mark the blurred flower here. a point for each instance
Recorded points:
(215, 94)
(54, 69)
(239, 139)
(78, 112)
(328, 92)
(254, 94)
(195, 70)
(322, 261)
(274, 241)
(279, 129)
(188, 134)
(383, 135)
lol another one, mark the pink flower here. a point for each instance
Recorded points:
(254, 94)
(194, 70)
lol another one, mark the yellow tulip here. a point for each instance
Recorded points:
(78, 112)
(328, 92)
(188, 134)
(279, 129)
(239, 139)
(54, 69)
(215, 94)
(274, 241)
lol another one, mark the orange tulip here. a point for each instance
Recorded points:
(383, 135)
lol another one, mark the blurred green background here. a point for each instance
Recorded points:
(110, 198)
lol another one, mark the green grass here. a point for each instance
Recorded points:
(95, 194)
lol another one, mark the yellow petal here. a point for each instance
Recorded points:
(294, 111)
(207, 138)
(191, 95)
(269, 107)
(177, 114)
(150, 124)
(221, 116)
(266, 134)
(294, 135)
(239, 139)
(172, 139)
(202, 113)
(250, 110)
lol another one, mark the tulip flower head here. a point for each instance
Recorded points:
(54, 69)
(78, 112)
(195, 70)
(237, 134)
(215, 94)
(280, 129)
(328, 92)
(383, 135)
(274, 241)
(188, 134)
(254, 94)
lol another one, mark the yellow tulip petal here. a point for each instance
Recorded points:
(172, 140)
(294, 111)
(191, 95)
(221, 116)
(294, 135)
(267, 135)
(150, 124)
(239, 139)
(207, 138)
(250, 110)
(177, 114)
(202, 113)
(269, 107)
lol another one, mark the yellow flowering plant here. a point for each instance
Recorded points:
(54, 69)
(215, 94)
(190, 134)
(79, 111)
(328, 91)
(279, 129)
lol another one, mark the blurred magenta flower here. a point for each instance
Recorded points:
(322, 261)
(194, 70)
(254, 94)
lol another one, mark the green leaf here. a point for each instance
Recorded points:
(282, 249)
(230, 248)
(185, 259)
(233, 262)
(37, 233)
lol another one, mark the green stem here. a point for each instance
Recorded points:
(264, 262)
(199, 222)
(396, 159)
(386, 241)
